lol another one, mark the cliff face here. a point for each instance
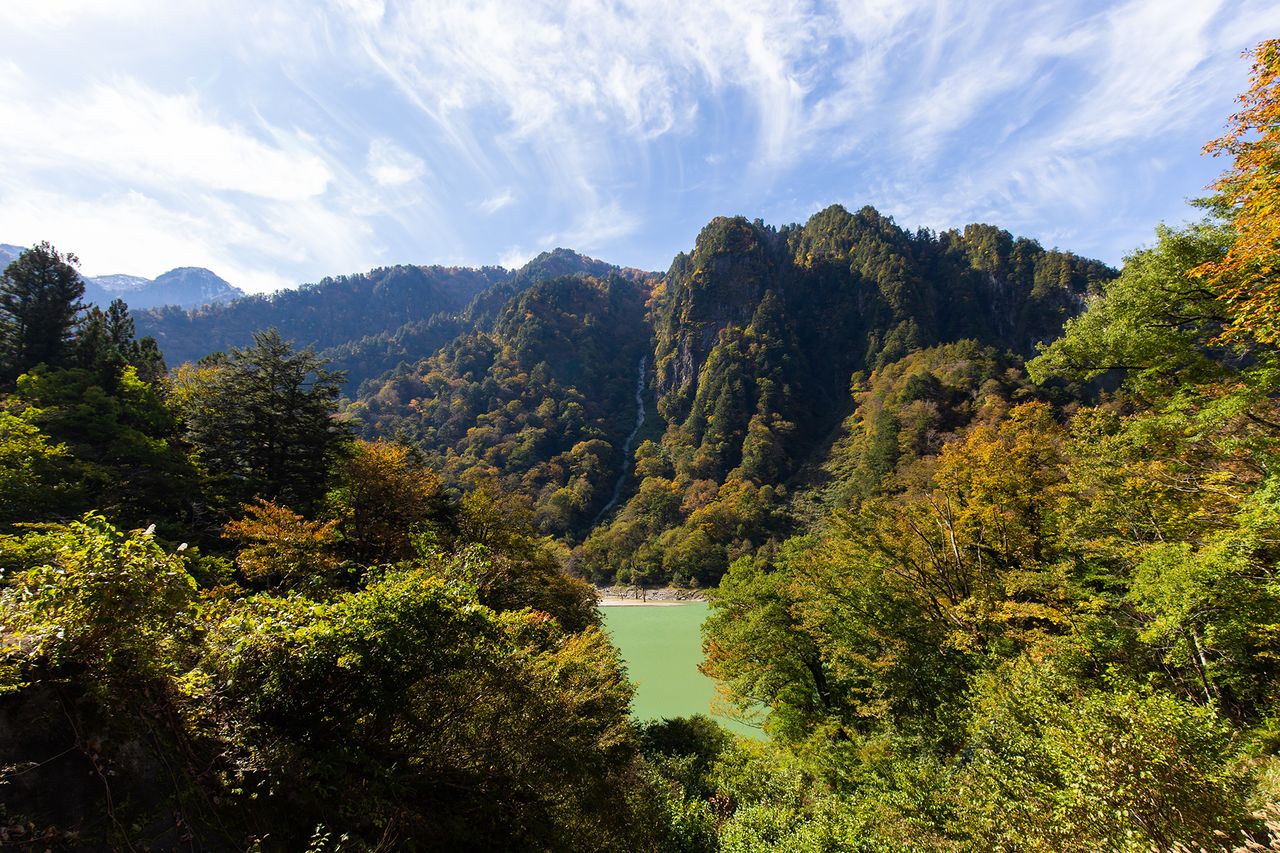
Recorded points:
(733, 264)
(759, 336)
(760, 325)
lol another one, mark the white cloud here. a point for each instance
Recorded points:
(256, 248)
(301, 139)
(44, 15)
(106, 233)
(364, 11)
(1151, 70)
(597, 227)
(515, 257)
(391, 166)
(497, 202)
(555, 68)
(142, 136)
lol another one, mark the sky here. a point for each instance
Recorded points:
(280, 142)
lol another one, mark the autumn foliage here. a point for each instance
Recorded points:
(282, 546)
(1247, 277)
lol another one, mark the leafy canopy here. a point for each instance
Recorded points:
(1248, 276)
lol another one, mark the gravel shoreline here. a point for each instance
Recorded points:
(629, 596)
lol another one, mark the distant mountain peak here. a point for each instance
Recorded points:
(120, 283)
(190, 287)
(186, 287)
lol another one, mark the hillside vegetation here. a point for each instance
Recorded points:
(990, 533)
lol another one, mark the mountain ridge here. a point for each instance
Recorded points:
(754, 341)
(367, 323)
(185, 287)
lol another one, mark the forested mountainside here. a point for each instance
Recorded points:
(364, 324)
(542, 403)
(744, 350)
(329, 313)
(747, 345)
(757, 334)
(991, 537)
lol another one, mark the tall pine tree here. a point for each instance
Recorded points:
(106, 343)
(263, 422)
(39, 302)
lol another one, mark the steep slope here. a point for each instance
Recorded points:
(322, 315)
(366, 324)
(543, 402)
(759, 325)
(374, 355)
(758, 332)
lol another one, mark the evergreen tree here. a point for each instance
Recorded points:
(39, 300)
(105, 344)
(263, 422)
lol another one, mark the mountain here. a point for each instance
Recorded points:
(184, 287)
(745, 366)
(761, 339)
(367, 323)
(119, 285)
(541, 401)
(191, 286)
(747, 355)
(793, 312)
(331, 312)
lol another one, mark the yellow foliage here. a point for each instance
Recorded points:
(282, 546)
(1248, 277)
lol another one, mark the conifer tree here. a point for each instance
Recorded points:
(105, 344)
(264, 425)
(39, 300)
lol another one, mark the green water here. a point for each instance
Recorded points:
(663, 647)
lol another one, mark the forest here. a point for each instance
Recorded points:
(990, 534)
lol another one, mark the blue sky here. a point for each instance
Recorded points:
(279, 142)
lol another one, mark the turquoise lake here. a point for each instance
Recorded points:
(662, 647)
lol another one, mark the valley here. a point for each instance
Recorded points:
(836, 535)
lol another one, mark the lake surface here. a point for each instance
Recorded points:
(662, 646)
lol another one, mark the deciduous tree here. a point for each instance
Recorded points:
(1248, 276)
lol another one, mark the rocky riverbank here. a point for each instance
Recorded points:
(630, 596)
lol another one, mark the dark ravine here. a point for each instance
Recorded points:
(629, 444)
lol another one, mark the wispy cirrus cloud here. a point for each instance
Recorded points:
(291, 140)
(500, 201)
(389, 165)
(139, 180)
(138, 134)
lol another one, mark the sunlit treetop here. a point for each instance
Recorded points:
(1248, 276)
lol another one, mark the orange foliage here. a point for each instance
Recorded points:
(1247, 277)
(282, 546)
